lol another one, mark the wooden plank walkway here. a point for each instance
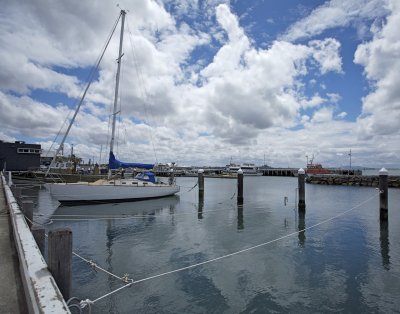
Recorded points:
(12, 298)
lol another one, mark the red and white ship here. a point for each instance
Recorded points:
(315, 168)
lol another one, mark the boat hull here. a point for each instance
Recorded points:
(86, 193)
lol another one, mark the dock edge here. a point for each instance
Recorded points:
(41, 292)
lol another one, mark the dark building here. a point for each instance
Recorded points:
(19, 156)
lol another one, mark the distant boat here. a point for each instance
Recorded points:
(143, 186)
(248, 169)
(315, 168)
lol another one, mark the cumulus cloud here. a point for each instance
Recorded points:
(240, 101)
(314, 101)
(23, 115)
(335, 13)
(381, 62)
(326, 53)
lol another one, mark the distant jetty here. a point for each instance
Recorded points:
(373, 181)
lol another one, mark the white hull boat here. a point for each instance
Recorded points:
(109, 191)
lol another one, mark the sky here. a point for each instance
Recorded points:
(206, 82)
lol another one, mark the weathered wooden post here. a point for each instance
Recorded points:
(240, 220)
(302, 227)
(240, 186)
(301, 185)
(384, 239)
(39, 236)
(383, 194)
(200, 209)
(17, 192)
(27, 210)
(201, 183)
(10, 183)
(60, 259)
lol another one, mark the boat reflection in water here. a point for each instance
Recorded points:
(116, 210)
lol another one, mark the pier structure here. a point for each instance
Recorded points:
(12, 299)
(280, 172)
(27, 285)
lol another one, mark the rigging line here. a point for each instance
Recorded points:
(235, 253)
(91, 77)
(192, 187)
(144, 91)
(59, 131)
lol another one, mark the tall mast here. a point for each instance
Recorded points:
(114, 119)
(94, 70)
(350, 160)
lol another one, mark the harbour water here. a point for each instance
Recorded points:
(345, 260)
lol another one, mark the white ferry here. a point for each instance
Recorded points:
(248, 169)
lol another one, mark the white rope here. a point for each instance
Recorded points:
(94, 266)
(232, 254)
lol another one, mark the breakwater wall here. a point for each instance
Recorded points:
(393, 181)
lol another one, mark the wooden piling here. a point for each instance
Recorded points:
(10, 183)
(39, 236)
(60, 259)
(384, 239)
(200, 209)
(17, 192)
(302, 227)
(383, 194)
(301, 186)
(27, 210)
(240, 186)
(201, 183)
(240, 220)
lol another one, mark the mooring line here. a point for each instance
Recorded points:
(192, 188)
(89, 302)
(94, 266)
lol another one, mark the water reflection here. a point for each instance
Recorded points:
(200, 208)
(116, 210)
(332, 273)
(384, 239)
(240, 221)
(301, 227)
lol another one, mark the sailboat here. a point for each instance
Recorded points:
(143, 186)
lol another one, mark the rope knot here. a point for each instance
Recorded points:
(85, 303)
(125, 278)
(92, 265)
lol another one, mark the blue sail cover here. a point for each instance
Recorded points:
(116, 164)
